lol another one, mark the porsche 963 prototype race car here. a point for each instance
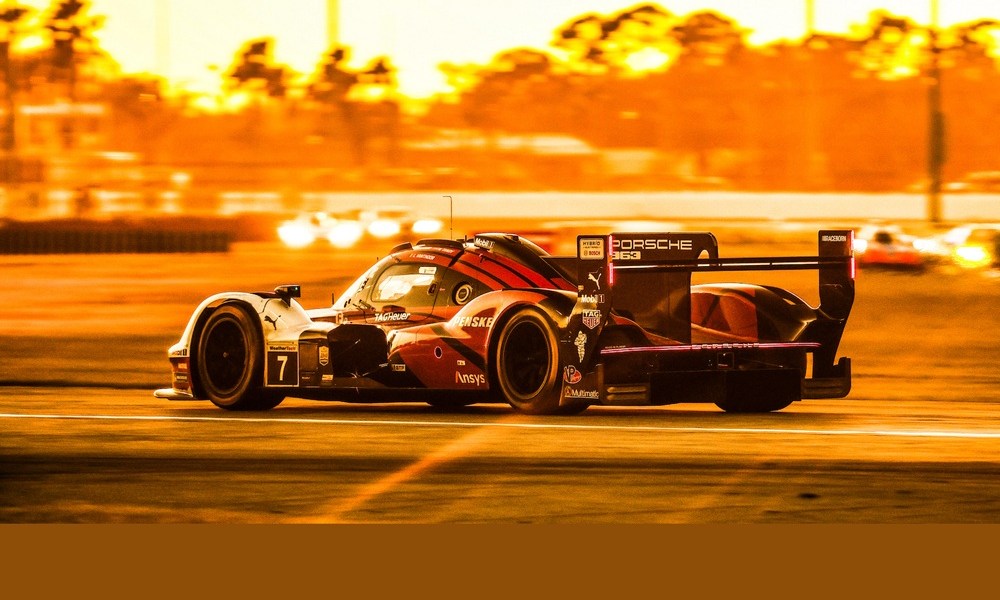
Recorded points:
(497, 319)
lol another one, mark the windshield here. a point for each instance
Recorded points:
(344, 300)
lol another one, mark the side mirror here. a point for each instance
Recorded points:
(287, 292)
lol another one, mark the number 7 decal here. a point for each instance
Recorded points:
(282, 368)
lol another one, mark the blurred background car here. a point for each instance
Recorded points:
(346, 229)
(307, 229)
(970, 246)
(396, 222)
(887, 246)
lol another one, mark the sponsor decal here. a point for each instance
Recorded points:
(327, 377)
(652, 244)
(398, 367)
(591, 248)
(834, 238)
(422, 256)
(474, 322)
(182, 365)
(180, 377)
(572, 375)
(324, 355)
(460, 362)
(591, 318)
(592, 298)
(463, 293)
(428, 270)
(476, 379)
(391, 316)
(596, 278)
(483, 243)
(726, 346)
(584, 394)
(283, 347)
(181, 352)
(581, 344)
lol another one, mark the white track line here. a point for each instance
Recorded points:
(563, 426)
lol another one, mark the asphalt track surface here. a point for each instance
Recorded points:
(83, 440)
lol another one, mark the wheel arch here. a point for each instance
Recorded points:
(550, 308)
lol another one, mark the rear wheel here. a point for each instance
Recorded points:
(230, 361)
(527, 363)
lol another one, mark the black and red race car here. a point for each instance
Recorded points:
(495, 318)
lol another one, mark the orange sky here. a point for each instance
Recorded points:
(190, 41)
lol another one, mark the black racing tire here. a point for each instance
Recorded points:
(527, 363)
(230, 361)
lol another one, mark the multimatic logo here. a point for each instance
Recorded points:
(476, 379)
(586, 394)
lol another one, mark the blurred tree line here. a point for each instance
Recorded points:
(828, 112)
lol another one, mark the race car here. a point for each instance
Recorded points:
(886, 246)
(494, 318)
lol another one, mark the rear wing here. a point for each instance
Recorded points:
(647, 278)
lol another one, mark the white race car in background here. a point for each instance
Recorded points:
(344, 230)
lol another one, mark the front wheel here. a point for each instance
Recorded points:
(527, 363)
(230, 361)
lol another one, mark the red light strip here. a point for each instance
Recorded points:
(611, 265)
(721, 346)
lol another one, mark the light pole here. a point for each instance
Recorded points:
(936, 124)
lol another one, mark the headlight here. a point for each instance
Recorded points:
(296, 235)
(426, 226)
(972, 256)
(384, 228)
(345, 235)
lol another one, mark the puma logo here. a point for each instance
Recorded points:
(596, 280)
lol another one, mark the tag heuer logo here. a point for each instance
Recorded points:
(591, 318)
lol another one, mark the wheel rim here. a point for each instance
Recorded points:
(226, 356)
(526, 361)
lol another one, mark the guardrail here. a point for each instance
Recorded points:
(35, 240)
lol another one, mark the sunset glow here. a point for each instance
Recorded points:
(192, 43)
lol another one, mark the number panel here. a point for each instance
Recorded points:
(282, 368)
